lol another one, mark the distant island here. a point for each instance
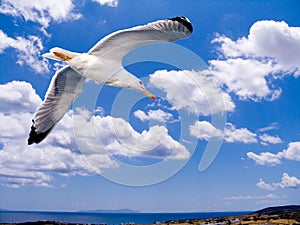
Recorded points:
(3, 210)
(110, 211)
(279, 215)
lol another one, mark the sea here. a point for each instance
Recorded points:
(106, 218)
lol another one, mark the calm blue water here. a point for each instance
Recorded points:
(107, 218)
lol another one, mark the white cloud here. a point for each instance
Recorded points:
(141, 115)
(205, 130)
(58, 154)
(263, 185)
(239, 197)
(292, 152)
(32, 165)
(194, 91)
(268, 39)
(111, 3)
(248, 65)
(18, 96)
(119, 138)
(287, 181)
(267, 158)
(244, 77)
(272, 126)
(250, 197)
(157, 115)
(232, 134)
(21, 164)
(40, 11)
(268, 139)
(28, 51)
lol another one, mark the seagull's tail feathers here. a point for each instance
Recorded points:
(60, 54)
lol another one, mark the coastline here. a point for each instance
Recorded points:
(273, 215)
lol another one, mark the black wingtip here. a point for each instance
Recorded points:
(35, 137)
(185, 21)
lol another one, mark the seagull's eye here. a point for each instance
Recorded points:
(140, 82)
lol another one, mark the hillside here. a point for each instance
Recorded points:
(279, 215)
(279, 210)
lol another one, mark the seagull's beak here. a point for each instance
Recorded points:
(149, 94)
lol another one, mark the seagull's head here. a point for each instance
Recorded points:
(138, 85)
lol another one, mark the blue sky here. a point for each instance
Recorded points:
(230, 90)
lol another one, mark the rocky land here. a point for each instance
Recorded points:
(272, 215)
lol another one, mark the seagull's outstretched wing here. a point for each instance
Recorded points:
(119, 43)
(66, 85)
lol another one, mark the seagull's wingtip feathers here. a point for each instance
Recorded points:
(35, 137)
(185, 21)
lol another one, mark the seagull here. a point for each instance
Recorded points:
(103, 64)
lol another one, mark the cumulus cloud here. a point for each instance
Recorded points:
(117, 137)
(287, 181)
(248, 65)
(59, 154)
(244, 77)
(21, 164)
(111, 3)
(18, 96)
(268, 139)
(292, 152)
(267, 158)
(157, 115)
(263, 185)
(205, 130)
(40, 11)
(28, 51)
(193, 91)
(233, 134)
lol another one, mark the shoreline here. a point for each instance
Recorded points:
(273, 215)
